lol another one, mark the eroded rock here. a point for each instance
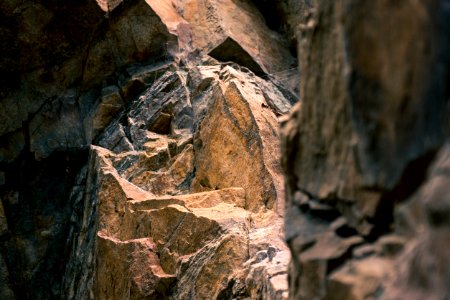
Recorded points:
(181, 202)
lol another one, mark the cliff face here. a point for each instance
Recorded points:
(139, 152)
(366, 152)
(140, 155)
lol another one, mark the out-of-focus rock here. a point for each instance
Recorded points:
(423, 265)
(374, 113)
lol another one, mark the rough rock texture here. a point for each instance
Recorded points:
(181, 204)
(48, 93)
(134, 165)
(364, 153)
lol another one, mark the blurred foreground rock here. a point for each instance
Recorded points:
(366, 152)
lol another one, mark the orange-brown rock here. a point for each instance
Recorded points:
(195, 203)
(237, 143)
(212, 22)
(139, 152)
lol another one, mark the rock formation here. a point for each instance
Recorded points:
(140, 158)
(179, 196)
(140, 155)
(366, 152)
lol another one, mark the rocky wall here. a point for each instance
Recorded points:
(362, 151)
(139, 152)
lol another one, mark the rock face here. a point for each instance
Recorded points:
(140, 154)
(133, 165)
(363, 151)
(181, 205)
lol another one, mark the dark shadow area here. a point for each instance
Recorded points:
(35, 198)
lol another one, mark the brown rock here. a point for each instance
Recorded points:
(197, 242)
(134, 222)
(245, 158)
(360, 143)
(241, 23)
(121, 265)
(99, 117)
(423, 264)
(360, 279)
(343, 154)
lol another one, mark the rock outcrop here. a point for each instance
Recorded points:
(180, 194)
(365, 152)
(132, 163)
(140, 154)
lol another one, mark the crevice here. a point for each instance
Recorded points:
(414, 175)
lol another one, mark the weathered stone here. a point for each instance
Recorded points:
(119, 260)
(268, 278)
(230, 50)
(220, 162)
(136, 222)
(151, 195)
(138, 78)
(241, 23)
(374, 113)
(109, 104)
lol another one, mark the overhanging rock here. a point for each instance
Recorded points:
(230, 50)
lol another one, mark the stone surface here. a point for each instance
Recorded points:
(109, 104)
(362, 149)
(79, 51)
(183, 172)
(181, 195)
(194, 196)
(237, 113)
(214, 22)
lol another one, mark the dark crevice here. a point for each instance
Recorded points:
(413, 176)
(227, 293)
(271, 13)
(336, 263)
(231, 51)
(38, 219)
(346, 231)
